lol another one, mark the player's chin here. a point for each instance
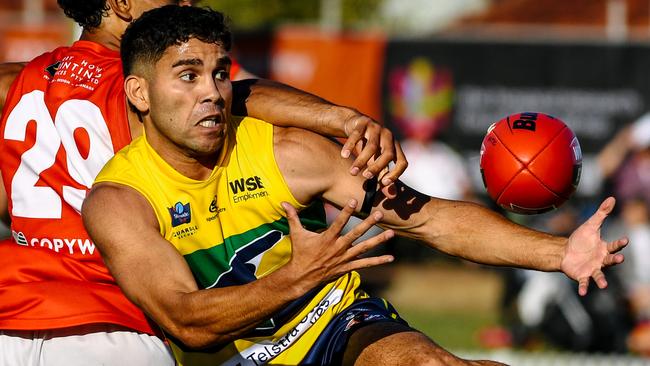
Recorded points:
(208, 145)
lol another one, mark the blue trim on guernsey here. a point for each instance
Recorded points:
(330, 345)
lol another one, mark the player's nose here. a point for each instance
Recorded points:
(210, 91)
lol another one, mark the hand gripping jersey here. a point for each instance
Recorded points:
(231, 230)
(64, 117)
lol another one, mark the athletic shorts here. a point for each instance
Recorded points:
(330, 345)
(86, 345)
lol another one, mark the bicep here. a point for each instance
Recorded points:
(146, 266)
(311, 166)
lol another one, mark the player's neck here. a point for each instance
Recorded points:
(194, 167)
(102, 37)
(184, 161)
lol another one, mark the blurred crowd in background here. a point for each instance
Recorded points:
(439, 72)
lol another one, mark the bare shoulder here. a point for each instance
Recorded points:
(8, 73)
(291, 140)
(105, 191)
(307, 161)
(106, 204)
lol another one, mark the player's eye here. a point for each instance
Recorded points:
(222, 75)
(188, 76)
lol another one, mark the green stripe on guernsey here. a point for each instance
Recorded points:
(208, 264)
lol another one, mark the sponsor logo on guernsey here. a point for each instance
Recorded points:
(216, 210)
(76, 71)
(180, 213)
(185, 231)
(59, 245)
(244, 189)
(51, 70)
(264, 351)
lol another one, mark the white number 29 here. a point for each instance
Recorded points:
(36, 201)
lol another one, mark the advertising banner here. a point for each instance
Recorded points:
(452, 90)
(342, 68)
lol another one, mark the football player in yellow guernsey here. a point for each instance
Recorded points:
(197, 221)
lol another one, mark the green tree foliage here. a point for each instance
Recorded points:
(257, 14)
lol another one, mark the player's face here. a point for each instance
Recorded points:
(189, 98)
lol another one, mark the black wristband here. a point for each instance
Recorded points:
(370, 186)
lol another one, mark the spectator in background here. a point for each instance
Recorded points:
(625, 160)
(625, 163)
(421, 102)
(635, 218)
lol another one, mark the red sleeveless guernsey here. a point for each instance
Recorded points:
(64, 117)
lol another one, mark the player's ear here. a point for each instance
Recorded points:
(122, 8)
(136, 92)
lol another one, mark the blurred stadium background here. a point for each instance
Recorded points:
(439, 72)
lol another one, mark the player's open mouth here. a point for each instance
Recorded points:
(209, 122)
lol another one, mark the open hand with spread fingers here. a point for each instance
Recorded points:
(320, 257)
(587, 253)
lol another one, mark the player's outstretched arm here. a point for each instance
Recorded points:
(153, 274)
(458, 228)
(285, 106)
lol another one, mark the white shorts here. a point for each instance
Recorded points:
(87, 345)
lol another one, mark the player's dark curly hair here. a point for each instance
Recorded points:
(147, 38)
(87, 13)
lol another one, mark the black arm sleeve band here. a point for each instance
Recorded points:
(370, 186)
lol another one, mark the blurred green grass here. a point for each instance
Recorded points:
(451, 330)
(449, 302)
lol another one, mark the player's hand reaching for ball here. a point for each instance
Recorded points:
(321, 257)
(587, 253)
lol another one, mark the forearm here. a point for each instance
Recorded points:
(285, 106)
(473, 232)
(8, 73)
(214, 317)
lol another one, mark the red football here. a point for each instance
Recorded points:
(530, 162)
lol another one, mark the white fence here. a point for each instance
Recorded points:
(520, 358)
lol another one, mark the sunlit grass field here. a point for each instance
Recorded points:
(453, 301)
(450, 302)
(450, 329)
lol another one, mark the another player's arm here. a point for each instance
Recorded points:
(155, 276)
(467, 230)
(285, 106)
(8, 73)
(244, 74)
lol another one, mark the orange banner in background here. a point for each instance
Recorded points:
(23, 43)
(343, 68)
